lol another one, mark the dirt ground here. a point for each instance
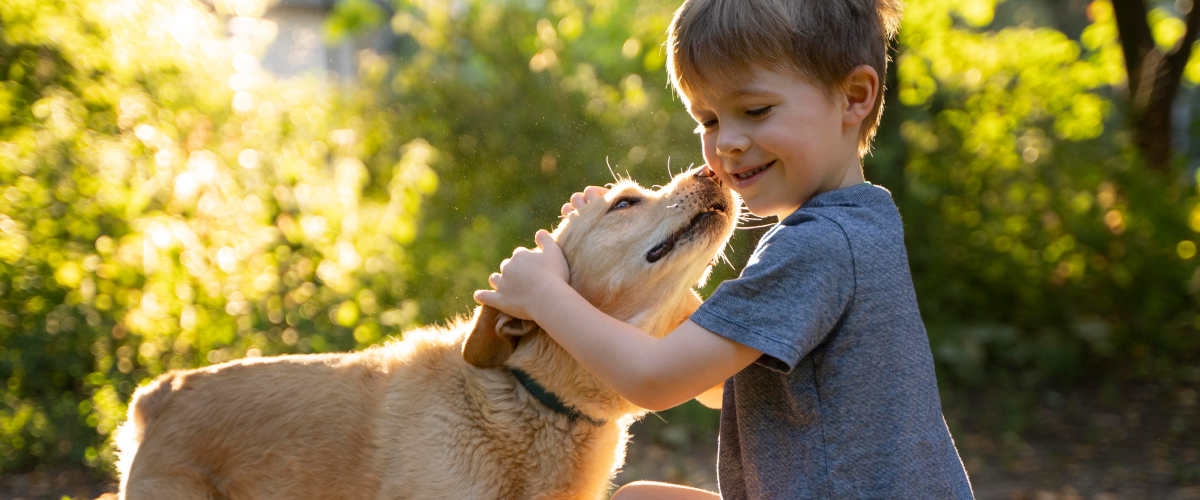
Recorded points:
(1141, 443)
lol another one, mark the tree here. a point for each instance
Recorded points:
(1155, 71)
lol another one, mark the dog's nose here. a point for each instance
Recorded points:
(707, 172)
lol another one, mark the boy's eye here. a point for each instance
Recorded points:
(757, 112)
(705, 126)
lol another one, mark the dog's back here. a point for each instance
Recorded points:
(409, 419)
(300, 426)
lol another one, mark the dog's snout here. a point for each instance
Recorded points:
(707, 172)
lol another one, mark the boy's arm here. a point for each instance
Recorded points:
(652, 373)
(712, 397)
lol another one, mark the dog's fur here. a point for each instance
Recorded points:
(424, 417)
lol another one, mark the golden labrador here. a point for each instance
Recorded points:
(505, 414)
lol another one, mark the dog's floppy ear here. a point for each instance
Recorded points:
(494, 337)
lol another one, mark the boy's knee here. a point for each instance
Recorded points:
(650, 490)
(636, 490)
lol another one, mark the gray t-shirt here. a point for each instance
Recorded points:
(843, 403)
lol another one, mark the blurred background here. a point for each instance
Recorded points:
(187, 182)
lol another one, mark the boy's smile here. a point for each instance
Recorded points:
(779, 139)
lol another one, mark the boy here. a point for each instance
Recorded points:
(829, 389)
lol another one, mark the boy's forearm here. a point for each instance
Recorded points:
(628, 360)
(592, 337)
(653, 373)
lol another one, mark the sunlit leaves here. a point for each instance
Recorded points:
(1166, 28)
(1043, 218)
(350, 16)
(153, 183)
(1083, 119)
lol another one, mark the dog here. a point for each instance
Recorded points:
(484, 408)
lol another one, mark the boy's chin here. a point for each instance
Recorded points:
(765, 210)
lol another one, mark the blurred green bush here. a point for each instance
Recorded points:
(167, 204)
(1043, 252)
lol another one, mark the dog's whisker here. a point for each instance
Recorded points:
(610, 170)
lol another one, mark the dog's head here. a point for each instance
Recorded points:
(635, 254)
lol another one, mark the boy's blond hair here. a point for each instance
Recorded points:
(711, 43)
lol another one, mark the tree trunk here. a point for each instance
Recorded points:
(1154, 78)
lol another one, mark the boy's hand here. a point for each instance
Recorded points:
(524, 278)
(579, 199)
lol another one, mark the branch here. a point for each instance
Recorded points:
(1134, 32)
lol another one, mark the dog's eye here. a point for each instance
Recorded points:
(623, 203)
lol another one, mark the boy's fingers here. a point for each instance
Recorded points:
(577, 200)
(592, 192)
(492, 280)
(580, 199)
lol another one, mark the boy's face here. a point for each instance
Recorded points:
(778, 140)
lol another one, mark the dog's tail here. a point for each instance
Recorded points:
(146, 403)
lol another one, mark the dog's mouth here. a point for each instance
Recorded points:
(698, 223)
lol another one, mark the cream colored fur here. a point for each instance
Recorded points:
(412, 419)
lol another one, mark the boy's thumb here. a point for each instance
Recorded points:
(543, 239)
(484, 296)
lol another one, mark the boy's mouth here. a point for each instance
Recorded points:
(754, 171)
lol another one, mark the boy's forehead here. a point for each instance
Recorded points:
(714, 98)
(754, 81)
(711, 93)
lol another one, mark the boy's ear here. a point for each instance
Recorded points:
(494, 337)
(861, 88)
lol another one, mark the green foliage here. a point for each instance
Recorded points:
(1042, 252)
(351, 16)
(527, 104)
(166, 204)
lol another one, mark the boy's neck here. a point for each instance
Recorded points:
(852, 177)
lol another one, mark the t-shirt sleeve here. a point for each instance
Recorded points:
(791, 295)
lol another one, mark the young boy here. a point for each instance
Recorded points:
(829, 388)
